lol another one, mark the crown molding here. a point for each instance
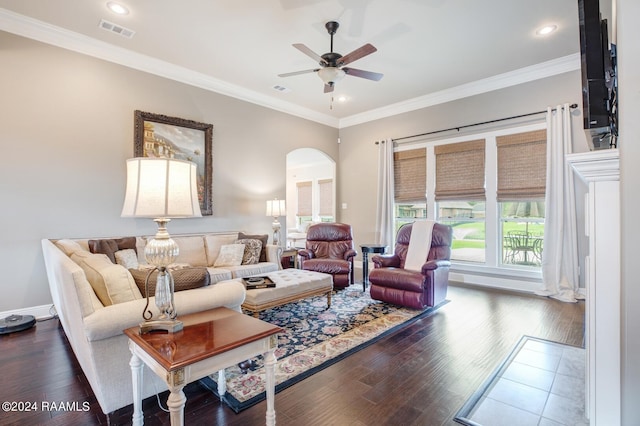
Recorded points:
(41, 31)
(500, 81)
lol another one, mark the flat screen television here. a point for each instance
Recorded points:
(599, 83)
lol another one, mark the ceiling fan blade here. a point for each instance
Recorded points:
(328, 88)
(360, 52)
(289, 74)
(376, 76)
(310, 53)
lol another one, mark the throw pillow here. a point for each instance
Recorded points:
(111, 246)
(264, 238)
(183, 279)
(230, 255)
(252, 249)
(112, 283)
(127, 258)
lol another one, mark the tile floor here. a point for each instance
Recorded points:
(542, 385)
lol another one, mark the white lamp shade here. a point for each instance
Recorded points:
(161, 188)
(276, 208)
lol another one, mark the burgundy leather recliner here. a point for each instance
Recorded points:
(390, 282)
(329, 249)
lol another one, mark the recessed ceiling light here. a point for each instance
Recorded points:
(547, 29)
(117, 8)
(342, 98)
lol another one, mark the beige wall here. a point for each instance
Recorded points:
(358, 152)
(66, 129)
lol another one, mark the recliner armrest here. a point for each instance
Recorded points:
(435, 264)
(306, 254)
(386, 261)
(350, 254)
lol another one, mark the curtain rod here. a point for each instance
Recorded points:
(572, 106)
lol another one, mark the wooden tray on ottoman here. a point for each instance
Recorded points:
(290, 285)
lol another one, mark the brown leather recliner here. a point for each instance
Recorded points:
(390, 282)
(329, 249)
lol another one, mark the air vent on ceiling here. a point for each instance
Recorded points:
(281, 88)
(115, 28)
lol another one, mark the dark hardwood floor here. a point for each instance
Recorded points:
(420, 375)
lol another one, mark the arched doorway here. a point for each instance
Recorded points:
(311, 192)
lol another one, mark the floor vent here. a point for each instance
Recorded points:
(115, 28)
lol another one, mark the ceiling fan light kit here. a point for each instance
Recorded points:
(330, 75)
(332, 64)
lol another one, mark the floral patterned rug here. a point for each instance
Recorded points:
(315, 338)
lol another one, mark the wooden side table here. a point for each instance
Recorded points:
(366, 249)
(210, 341)
(291, 252)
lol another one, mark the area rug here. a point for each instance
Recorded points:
(539, 382)
(314, 338)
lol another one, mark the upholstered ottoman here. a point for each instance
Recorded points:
(291, 285)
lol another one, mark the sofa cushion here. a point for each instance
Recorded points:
(249, 270)
(192, 250)
(264, 238)
(219, 274)
(111, 245)
(69, 247)
(127, 258)
(252, 249)
(183, 279)
(112, 283)
(230, 255)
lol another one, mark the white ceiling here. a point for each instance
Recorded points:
(427, 49)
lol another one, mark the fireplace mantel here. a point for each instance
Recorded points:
(601, 171)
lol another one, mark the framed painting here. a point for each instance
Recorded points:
(157, 135)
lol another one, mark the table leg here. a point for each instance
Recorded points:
(136, 374)
(222, 384)
(175, 403)
(270, 376)
(365, 270)
(177, 399)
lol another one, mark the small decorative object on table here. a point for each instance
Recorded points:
(252, 283)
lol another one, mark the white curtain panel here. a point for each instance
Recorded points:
(384, 209)
(560, 253)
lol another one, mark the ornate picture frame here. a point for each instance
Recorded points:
(157, 135)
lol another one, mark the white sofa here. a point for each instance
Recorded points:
(94, 329)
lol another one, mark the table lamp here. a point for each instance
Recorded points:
(161, 188)
(275, 209)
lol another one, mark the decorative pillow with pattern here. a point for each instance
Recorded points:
(127, 258)
(252, 249)
(264, 238)
(230, 255)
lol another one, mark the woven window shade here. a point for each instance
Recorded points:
(304, 199)
(325, 188)
(460, 171)
(410, 175)
(522, 166)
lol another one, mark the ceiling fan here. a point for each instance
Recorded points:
(332, 64)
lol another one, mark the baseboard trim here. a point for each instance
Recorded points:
(41, 312)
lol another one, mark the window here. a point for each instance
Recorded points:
(489, 187)
(522, 165)
(410, 185)
(325, 189)
(460, 194)
(315, 201)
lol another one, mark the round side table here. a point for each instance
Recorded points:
(366, 249)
